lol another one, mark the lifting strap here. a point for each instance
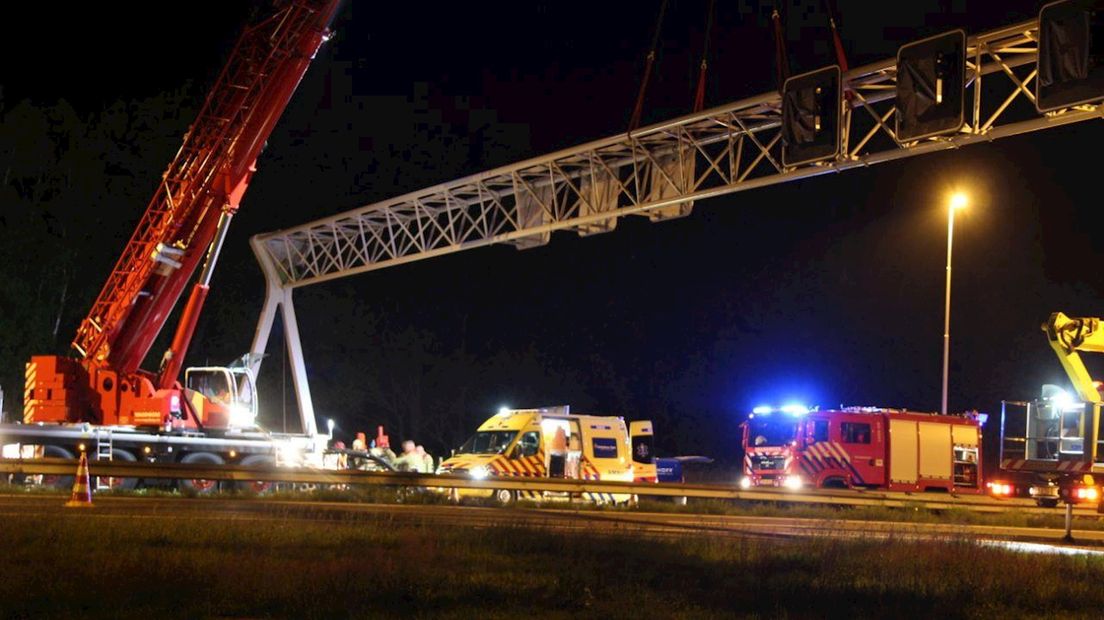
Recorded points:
(782, 64)
(699, 95)
(638, 109)
(841, 58)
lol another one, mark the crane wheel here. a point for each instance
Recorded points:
(122, 484)
(58, 482)
(258, 487)
(200, 486)
(504, 496)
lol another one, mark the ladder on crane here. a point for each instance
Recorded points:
(104, 439)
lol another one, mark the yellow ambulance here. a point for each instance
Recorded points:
(552, 442)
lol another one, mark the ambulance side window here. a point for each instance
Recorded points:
(529, 444)
(855, 432)
(604, 447)
(820, 430)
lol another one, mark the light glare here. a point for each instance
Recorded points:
(794, 409)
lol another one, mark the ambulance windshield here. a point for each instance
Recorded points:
(771, 432)
(487, 442)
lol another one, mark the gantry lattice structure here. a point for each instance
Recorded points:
(657, 172)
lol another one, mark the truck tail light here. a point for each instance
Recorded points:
(1086, 494)
(1000, 489)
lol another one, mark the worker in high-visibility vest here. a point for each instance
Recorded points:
(424, 460)
(409, 459)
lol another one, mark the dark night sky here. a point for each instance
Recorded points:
(827, 290)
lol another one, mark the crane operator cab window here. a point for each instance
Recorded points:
(230, 395)
(215, 384)
(245, 392)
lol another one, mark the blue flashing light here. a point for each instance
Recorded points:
(761, 409)
(795, 409)
(982, 419)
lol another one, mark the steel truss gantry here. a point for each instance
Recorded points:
(656, 172)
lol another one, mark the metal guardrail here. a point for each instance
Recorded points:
(238, 473)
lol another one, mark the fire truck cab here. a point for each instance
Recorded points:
(861, 447)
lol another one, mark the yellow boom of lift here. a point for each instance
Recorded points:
(1069, 336)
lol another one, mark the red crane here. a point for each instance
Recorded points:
(185, 221)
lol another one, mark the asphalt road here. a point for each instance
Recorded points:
(591, 521)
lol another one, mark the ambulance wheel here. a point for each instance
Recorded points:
(51, 480)
(505, 496)
(1047, 502)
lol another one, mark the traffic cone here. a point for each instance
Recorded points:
(82, 491)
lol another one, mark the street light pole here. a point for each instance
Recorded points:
(958, 201)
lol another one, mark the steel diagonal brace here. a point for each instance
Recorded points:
(725, 152)
(1008, 101)
(1022, 86)
(879, 121)
(525, 185)
(597, 158)
(758, 158)
(647, 155)
(566, 180)
(763, 151)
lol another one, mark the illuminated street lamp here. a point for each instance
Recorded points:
(958, 201)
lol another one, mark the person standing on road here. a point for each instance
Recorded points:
(409, 459)
(425, 458)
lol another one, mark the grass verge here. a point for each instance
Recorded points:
(373, 565)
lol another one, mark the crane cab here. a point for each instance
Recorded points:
(223, 398)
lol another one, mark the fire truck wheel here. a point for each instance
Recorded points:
(199, 485)
(58, 482)
(259, 487)
(504, 496)
(122, 484)
(1047, 502)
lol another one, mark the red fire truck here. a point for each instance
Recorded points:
(862, 447)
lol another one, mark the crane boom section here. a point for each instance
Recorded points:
(208, 176)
